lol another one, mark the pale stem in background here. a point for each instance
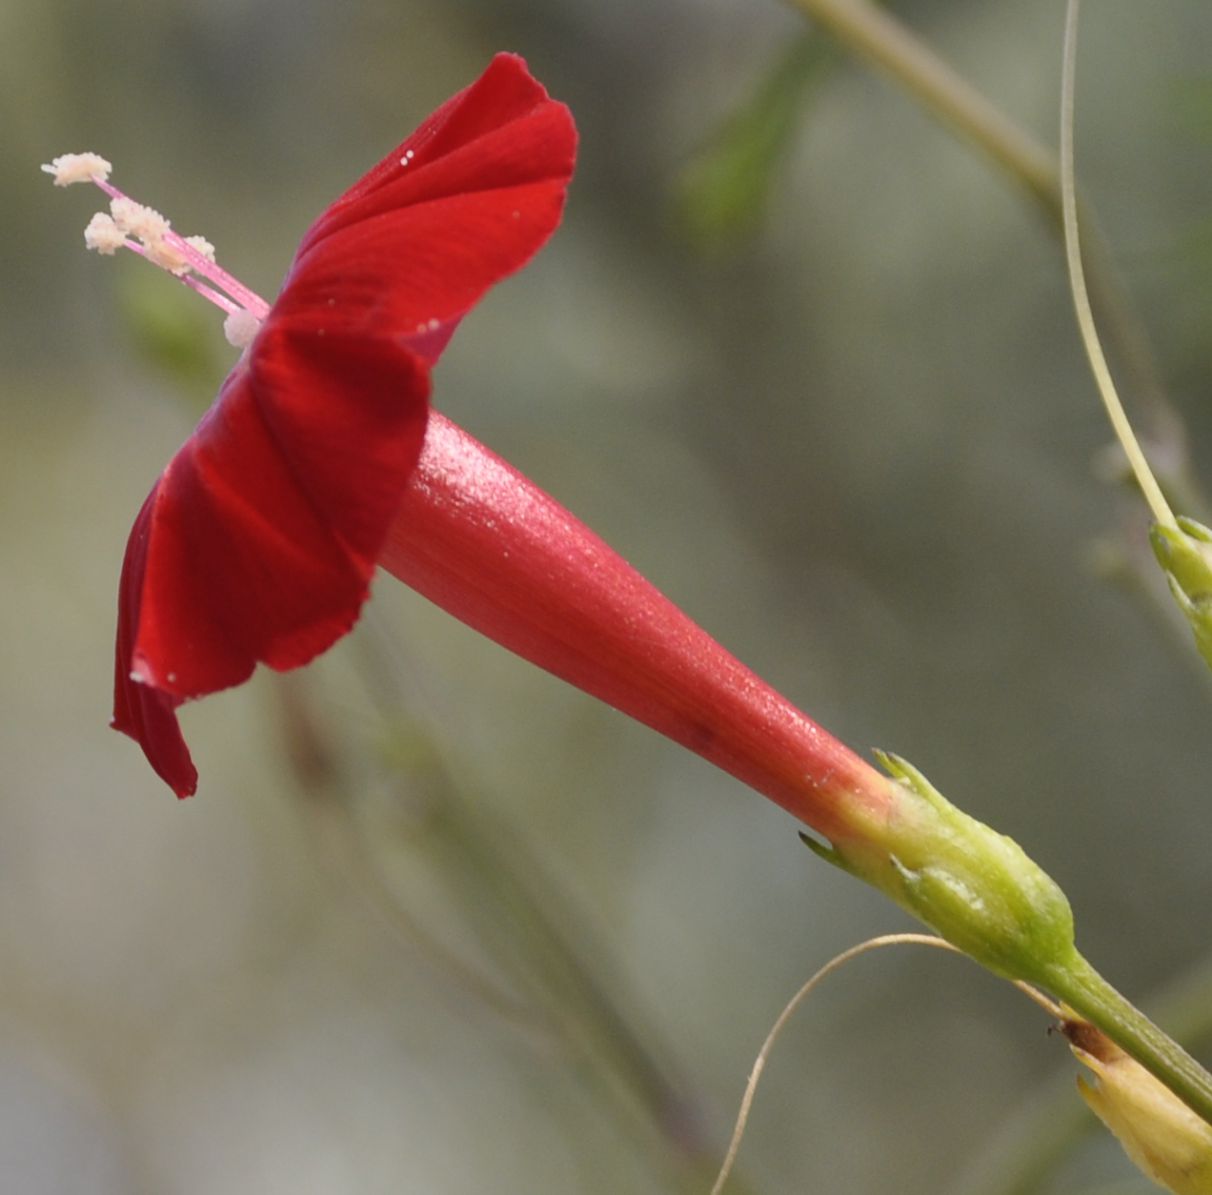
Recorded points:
(873, 33)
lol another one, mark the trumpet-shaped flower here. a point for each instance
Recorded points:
(321, 461)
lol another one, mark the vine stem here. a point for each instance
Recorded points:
(1081, 300)
(1085, 991)
(873, 33)
(1049, 1125)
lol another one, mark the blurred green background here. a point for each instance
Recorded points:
(434, 922)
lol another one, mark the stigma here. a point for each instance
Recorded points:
(143, 230)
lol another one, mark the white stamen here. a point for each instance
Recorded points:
(103, 236)
(145, 231)
(240, 328)
(78, 168)
(203, 246)
(164, 254)
(152, 229)
(139, 220)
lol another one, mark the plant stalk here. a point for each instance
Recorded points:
(1085, 991)
(874, 34)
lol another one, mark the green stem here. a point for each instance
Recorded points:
(984, 895)
(1081, 302)
(1050, 1124)
(1084, 990)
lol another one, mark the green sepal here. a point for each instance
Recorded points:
(974, 886)
(1185, 555)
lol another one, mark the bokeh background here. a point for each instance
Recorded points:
(436, 923)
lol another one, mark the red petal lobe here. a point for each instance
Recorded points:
(411, 248)
(259, 542)
(144, 713)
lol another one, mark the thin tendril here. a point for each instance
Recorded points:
(1081, 301)
(788, 1012)
(763, 1056)
(1050, 1006)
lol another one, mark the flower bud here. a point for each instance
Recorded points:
(1161, 1135)
(1185, 554)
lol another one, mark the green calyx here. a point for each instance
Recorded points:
(978, 889)
(974, 886)
(1185, 554)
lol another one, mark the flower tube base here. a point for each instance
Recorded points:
(974, 886)
(980, 891)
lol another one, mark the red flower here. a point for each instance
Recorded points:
(320, 460)
(259, 541)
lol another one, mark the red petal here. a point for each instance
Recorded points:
(411, 247)
(259, 541)
(144, 713)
